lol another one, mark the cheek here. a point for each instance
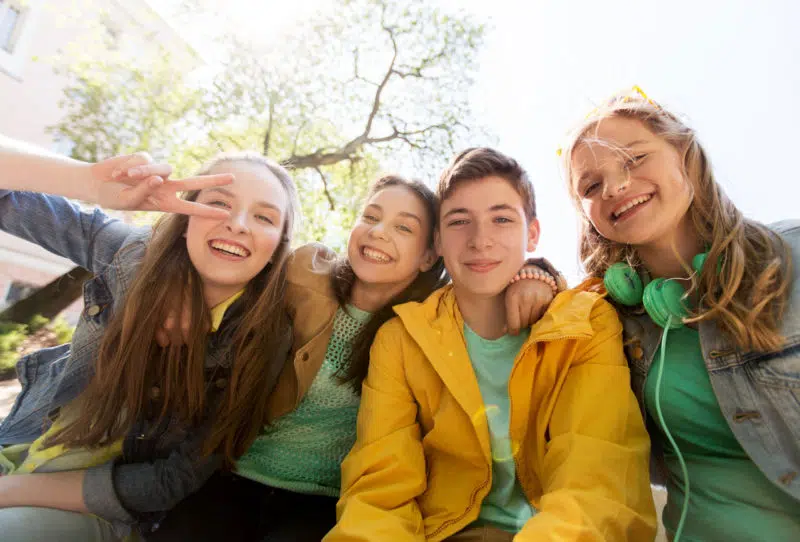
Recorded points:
(591, 210)
(196, 230)
(268, 242)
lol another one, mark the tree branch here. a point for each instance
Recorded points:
(325, 188)
(269, 125)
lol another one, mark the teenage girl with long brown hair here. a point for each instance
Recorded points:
(113, 430)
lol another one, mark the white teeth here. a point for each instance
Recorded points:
(630, 205)
(375, 255)
(231, 249)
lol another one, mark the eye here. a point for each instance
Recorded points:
(634, 161)
(503, 220)
(369, 218)
(218, 203)
(589, 189)
(458, 222)
(264, 218)
(404, 228)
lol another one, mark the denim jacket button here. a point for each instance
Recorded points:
(637, 352)
(94, 310)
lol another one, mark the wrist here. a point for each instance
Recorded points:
(535, 273)
(86, 178)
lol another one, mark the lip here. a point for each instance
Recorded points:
(481, 266)
(228, 257)
(630, 212)
(362, 252)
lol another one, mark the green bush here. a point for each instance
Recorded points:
(42, 334)
(62, 329)
(37, 323)
(11, 337)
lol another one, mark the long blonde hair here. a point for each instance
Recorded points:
(130, 363)
(748, 297)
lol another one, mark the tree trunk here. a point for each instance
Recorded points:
(49, 300)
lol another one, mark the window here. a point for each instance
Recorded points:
(11, 18)
(17, 19)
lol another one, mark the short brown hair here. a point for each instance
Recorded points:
(479, 162)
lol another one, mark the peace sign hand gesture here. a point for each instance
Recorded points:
(134, 183)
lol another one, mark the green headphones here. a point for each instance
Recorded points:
(662, 298)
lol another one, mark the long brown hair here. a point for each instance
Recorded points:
(130, 364)
(748, 297)
(343, 278)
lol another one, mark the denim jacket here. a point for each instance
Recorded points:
(161, 465)
(758, 393)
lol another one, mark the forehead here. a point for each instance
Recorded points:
(398, 199)
(253, 182)
(481, 195)
(611, 134)
(606, 140)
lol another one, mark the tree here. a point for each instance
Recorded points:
(365, 85)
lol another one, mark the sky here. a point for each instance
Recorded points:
(731, 68)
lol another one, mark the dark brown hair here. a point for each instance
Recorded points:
(479, 162)
(343, 278)
(130, 363)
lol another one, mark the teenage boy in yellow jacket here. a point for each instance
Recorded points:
(466, 433)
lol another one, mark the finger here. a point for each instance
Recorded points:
(529, 314)
(186, 319)
(200, 182)
(192, 208)
(161, 338)
(173, 330)
(149, 170)
(130, 161)
(512, 314)
(136, 196)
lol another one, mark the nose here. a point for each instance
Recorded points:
(480, 238)
(616, 184)
(237, 223)
(378, 231)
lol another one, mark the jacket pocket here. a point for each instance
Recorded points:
(777, 376)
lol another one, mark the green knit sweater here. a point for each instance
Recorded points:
(302, 451)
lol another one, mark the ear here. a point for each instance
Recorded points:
(428, 259)
(437, 242)
(533, 234)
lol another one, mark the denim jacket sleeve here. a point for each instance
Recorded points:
(89, 238)
(125, 493)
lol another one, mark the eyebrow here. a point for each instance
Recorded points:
(401, 213)
(585, 175)
(498, 207)
(232, 195)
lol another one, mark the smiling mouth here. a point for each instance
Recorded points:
(228, 249)
(374, 255)
(481, 267)
(630, 206)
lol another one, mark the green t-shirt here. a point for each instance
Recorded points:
(506, 505)
(730, 499)
(303, 450)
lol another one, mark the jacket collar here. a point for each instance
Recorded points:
(437, 326)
